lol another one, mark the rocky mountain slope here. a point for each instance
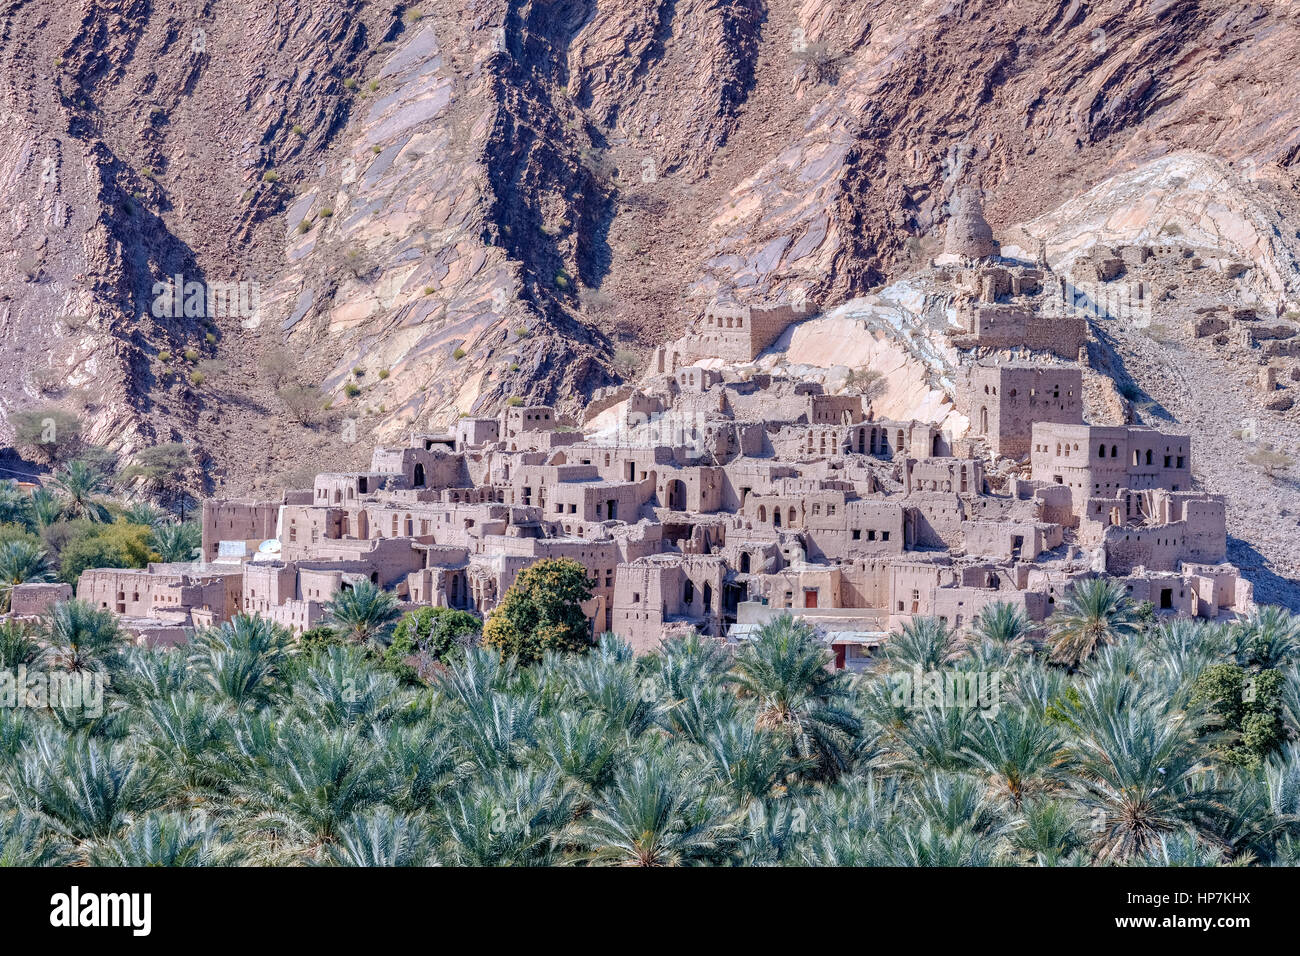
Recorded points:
(443, 206)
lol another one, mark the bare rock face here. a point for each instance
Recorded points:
(498, 198)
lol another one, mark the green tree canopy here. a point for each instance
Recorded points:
(430, 636)
(116, 545)
(541, 612)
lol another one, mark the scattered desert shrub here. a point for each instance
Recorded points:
(276, 366)
(48, 434)
(822, 62)
(302, 403)
(1271, 461)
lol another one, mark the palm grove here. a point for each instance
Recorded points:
(391, 738)
(75, 521)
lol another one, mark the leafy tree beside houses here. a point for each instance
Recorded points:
(542, 612)
(162, 468)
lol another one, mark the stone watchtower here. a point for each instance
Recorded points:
(969, 234)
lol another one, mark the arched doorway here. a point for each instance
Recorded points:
(744, 562)
(418, 478)
(984, 420)
(676, 494)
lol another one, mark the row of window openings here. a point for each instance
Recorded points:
(1033, 392)
(1171, 461)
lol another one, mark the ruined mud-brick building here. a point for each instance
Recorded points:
(717, 500)
(729, 332)
(1003, 304)
(1004, 400)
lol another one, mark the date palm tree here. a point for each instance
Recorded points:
(420, 763)
(850, 825)
(167, 839)
(1048, 832)
(746, 760)
(187, 738)
(83, 788)
(1139, 776)
(20, 562)
(25, 840)
(143, 512)
(82, 637)
(1096, 612)
(311, 781)
(786, 671)
(147, 674)
(1179, 649)
(507, 817)
(15, 504)
(1003, 624)
(658, 812)
(607, 680)
(340, 689)
(242, 659)
(381, 837)
(933, 737)
(18, 644)
(1254, 811)
(498, 730)
(956, 801)
(1291, 700)
(1022, 754)
(926, 844)
(364, 613)
(585, 748)
(46, 508)
(176, 541)
(923, 643)
(1268, 637)
(81, 485)
(1183, 848)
